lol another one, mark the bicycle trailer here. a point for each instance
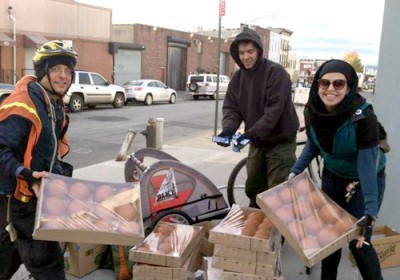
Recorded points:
(174, 192)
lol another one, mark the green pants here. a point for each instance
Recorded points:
(268, 167)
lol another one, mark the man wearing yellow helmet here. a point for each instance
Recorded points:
(33, 127)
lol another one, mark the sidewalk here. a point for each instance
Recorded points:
(216, 163)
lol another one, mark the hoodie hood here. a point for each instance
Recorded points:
(352, 100)
(248, 35)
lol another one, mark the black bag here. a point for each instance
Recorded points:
(67, 169)
(383, 139)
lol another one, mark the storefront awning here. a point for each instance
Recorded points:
(6, 41)
(34, 41)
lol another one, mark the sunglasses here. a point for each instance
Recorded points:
(337, 84)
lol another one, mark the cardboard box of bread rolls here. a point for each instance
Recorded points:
(74, 210)
(313, 224)
(167, 245)
(185, 272)
(246, 228)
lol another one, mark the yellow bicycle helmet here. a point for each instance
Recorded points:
(54, 49)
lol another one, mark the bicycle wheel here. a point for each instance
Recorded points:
(171, 216)
(236, 184)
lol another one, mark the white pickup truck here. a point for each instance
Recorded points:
(91, 89)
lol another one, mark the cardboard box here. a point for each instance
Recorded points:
(81, 259)
(228, 275)
(244, 254)
(312, 223)
(386, 242)
(74, 210)
(230, 231)
(206, 247)
(243, 266)
(168, 245)
(191, 265)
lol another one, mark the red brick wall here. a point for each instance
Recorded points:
(155, 55)
(95, 57)
(92, 56)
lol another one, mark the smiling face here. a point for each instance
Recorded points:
(60, 79)
(248, 54)
(331, 96)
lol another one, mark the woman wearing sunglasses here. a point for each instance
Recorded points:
(343, 128)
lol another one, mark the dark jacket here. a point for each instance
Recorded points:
(18, 123)
(260, 97)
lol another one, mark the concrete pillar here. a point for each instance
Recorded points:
(387, 107)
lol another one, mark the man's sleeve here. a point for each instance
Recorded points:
(14, 133)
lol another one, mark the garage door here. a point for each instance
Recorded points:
(127, 66)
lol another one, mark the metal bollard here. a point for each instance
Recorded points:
(126, 145)
(154, 133)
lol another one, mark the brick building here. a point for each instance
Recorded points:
(170, 55)
(119, 53)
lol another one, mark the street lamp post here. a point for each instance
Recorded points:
(14, 70)
(221, 14)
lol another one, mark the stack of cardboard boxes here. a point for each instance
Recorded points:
(246, 246)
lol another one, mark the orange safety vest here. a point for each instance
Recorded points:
(20, 103)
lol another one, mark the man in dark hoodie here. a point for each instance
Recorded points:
(259, 95)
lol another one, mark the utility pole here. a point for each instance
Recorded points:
(14, 70)
(221, 14)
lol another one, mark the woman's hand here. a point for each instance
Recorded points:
(365, 226)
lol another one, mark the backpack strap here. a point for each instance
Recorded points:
(358, 114)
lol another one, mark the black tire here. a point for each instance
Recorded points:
(236, 185)
(172, 99)
(148, 100)
(75, 103)
(118, 100)
(193, 87)
(214, 96)
(175, 216)
(195, 97)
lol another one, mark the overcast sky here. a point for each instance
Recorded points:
(321, 28)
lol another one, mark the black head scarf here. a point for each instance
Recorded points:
(315, 113)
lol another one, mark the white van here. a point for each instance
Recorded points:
(206, 85)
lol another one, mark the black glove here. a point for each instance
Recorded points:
(365, 227)
(225, 134)
(27, 175)
(242, 139)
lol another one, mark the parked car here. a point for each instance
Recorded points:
(206, 85)
(149, 91)
(5, 90)
(91, 89)
(369, 85)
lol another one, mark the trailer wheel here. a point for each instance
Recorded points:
(172, 216)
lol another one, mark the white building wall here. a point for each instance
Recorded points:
(386, 105)
(274, 46)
